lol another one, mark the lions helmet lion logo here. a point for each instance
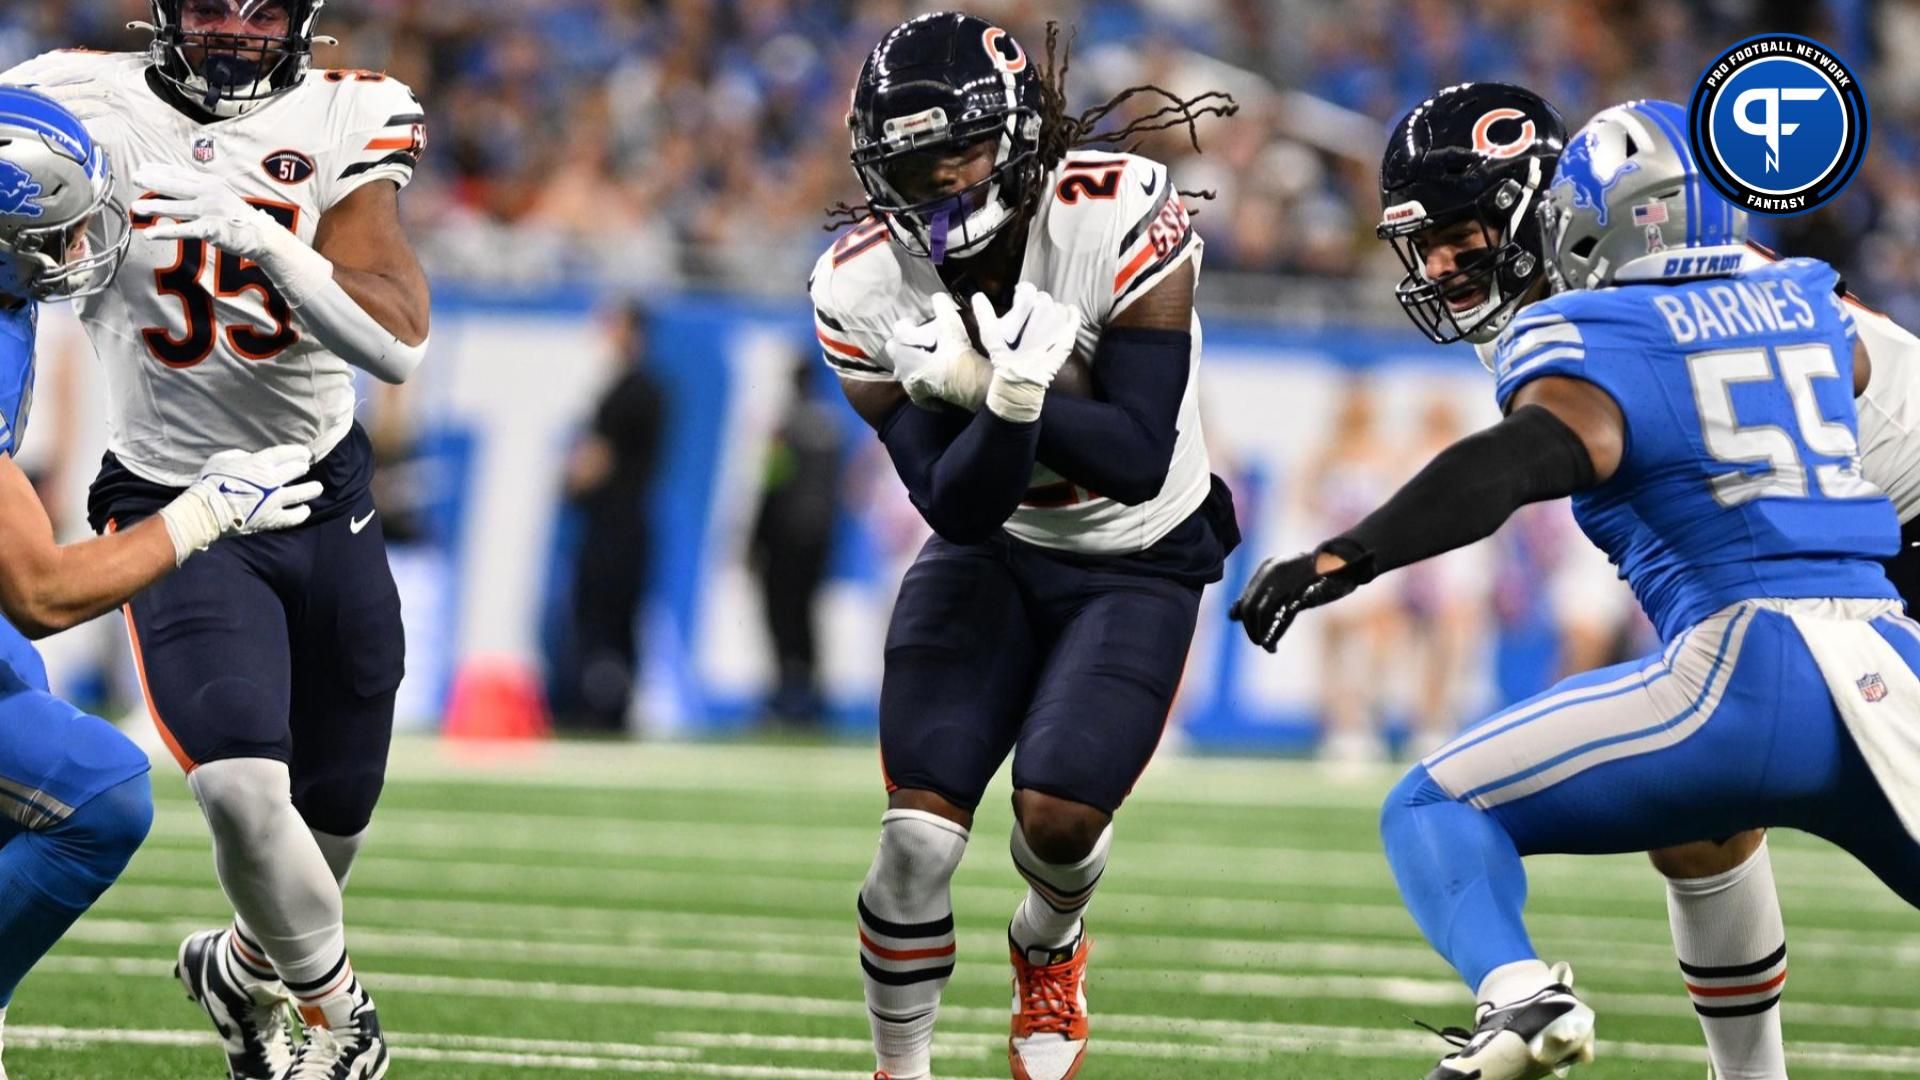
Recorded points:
(1590, 180)
(17, 191)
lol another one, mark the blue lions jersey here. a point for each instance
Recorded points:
(17, 329)
(1740, 477)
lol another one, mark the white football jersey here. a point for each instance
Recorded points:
(1109, 228)
(1890, 410)
(201, 352)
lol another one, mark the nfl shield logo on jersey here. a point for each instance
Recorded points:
(203, 149)
(1872, 687)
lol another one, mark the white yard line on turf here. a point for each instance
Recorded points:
(1415, 992)
(439, 832)
(1126, 915)
(683, 1045)
(1290, 982)
(722, 940)
(435, 1048)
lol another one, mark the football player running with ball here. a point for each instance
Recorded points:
(1787, 675)
(74, 799)
(1461, 183)
(1049, 617)
(268, 261)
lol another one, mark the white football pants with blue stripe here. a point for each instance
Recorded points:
(1735, 725)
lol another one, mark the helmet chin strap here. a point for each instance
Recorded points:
(222, 72)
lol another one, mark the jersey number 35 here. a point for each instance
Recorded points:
(232, 277)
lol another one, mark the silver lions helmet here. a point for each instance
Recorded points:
(62, 234)
(1628, 204)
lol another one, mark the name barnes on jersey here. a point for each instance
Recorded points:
(1109, 228)
(200, 348)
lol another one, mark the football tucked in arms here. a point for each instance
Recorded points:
(1074, 378)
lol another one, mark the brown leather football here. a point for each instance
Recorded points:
(1075, 377)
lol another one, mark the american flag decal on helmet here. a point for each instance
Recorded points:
(1872, 686)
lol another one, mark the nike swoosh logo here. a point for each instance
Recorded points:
(1149, 184)
(225, 490)
(356, 524)
(922, 348)
(1015, 342)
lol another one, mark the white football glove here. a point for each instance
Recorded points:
(1026, 346)
(936, 361)
(201, 206)
(241, 493)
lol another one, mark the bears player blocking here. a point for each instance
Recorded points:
(1050, 614)
(1747, 532)
(74, 799)
(1472, 264)
(268, 257)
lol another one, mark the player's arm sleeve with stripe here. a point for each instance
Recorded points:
(1154, 233)
(382, 136)
(849, 352)
(1542, 341)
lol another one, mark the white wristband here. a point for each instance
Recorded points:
(1015, 401)
(968, 380)
(193, 522)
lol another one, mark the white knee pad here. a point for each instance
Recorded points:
(242, 797)
(918, 855)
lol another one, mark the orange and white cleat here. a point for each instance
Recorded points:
(1049, 1037)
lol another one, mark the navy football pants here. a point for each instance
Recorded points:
(1001, 647)
(286, 646)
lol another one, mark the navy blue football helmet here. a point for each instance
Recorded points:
(1484, 152)
(940, 83)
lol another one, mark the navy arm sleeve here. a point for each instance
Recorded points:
(1468, 491)
(1120, 443)
(966, 475)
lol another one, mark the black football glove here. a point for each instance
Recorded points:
(1282, 589)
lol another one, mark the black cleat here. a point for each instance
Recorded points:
(253, 1025)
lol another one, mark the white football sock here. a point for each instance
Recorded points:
(1049, 916)
(906, 936)
(1512, 982)
(1732, 946)
(273, 872)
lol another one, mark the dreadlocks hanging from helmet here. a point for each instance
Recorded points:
(1041, 119)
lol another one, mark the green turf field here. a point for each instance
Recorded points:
(687, 911)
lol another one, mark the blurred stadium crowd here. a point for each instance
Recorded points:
(652, 142)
